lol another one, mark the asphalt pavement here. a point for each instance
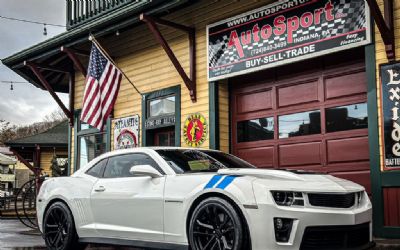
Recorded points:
(15, 236)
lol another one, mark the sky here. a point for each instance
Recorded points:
(26, 104)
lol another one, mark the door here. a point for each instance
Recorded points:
(126, 206)
(315, 121)
(164, 137)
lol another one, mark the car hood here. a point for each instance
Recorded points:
(295, 181)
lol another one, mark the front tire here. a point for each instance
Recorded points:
(215, 224)
(59, 228)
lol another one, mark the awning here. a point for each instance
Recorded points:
(6, 160)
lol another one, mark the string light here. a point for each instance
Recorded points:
(44, 30)
(34, 22)
(12, 82)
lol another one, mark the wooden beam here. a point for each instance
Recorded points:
(45, 83)
(385, 25)
(190, 82)
(51, 68)
(71, 96)
(22, 159)
(72, 55)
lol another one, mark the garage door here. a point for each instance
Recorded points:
(316, 121)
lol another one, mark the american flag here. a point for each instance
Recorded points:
(101, 91)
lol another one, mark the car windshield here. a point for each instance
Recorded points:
(191, 160)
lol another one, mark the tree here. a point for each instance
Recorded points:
(10, 132)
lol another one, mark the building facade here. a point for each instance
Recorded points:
(282, 84)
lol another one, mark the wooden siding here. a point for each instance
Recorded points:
(46, 156)
(144, 61)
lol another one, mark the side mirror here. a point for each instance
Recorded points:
(145, 170)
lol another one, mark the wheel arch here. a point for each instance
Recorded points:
(54, 200)
(229, 199)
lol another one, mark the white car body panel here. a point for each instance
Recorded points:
(156, 209)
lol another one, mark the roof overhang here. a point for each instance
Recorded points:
(49, 52)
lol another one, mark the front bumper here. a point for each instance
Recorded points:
(262, 232)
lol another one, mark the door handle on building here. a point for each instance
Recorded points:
(100, 189)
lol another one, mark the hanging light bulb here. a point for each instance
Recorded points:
(117, 33)
(44, 30)
(11, 87)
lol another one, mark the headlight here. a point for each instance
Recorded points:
(288, 198)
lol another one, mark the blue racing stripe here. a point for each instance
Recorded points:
(213, 181)
(226, 181)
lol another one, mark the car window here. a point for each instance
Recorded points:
(119, 166)
(190, 160)
(97, 170)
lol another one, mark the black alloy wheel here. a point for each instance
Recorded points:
(59, 228)
(215, 225)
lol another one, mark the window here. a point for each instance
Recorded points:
(97, 170)
(305, 123)
(90, 142)
(161, 107)
(119, 166)
(348, 117)
(190, 160)
(255, 130)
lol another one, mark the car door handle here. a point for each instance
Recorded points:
(100, 189)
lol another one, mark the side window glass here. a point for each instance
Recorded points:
(119, 166)
(97, 170)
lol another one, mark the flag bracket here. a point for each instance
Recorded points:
(190, 81)
(35, 69)
(385, 23)
(72, 54)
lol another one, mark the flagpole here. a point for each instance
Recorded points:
(93, 39)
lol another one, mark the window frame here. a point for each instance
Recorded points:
(78, 133)
(154, 95)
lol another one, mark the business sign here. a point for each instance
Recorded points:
(390, 97)
(126, 132)
(285, 32)
(160, 122)
(195, 130)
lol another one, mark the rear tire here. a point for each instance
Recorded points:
(59, 231)
(215, 224)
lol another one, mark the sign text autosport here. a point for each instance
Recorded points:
(285, 32)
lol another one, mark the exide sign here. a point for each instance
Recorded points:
(285, 32)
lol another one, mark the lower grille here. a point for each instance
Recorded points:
(332, 200)
(336, 237)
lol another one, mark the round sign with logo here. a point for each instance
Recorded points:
(195, 130)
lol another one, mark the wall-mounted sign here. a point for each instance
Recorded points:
(195, 130)
(126, 132)
(390, 96)
(160, 122)
(285, 32)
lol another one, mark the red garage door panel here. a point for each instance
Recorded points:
(351, 149)
(301, 93)
(345, 85)
(261, 157)
(257, 101)
(316, 121)
(300, 154)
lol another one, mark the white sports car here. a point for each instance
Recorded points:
(177, 198)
